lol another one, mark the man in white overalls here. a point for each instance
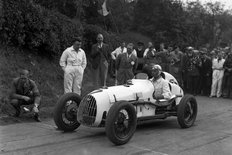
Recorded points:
(218, 73)
(73, 62)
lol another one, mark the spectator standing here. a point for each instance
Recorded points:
(73, 62)
(114, 55)
(218, 73)
(125, 64)
(192, 65)
(140, 52)
(121, 49)
(163, 57)
(175, 64)
(228, 75)
(205, 73)
(149, 54)
(100, 54)
(25, 92)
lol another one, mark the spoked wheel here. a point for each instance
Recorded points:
(65, 113)
(121, 122)
(187, 111)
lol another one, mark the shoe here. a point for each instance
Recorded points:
(36, 117)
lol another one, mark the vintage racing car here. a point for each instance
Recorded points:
(120, 108)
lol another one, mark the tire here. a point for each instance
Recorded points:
(187, 111)
(61, 112)
(116, 120)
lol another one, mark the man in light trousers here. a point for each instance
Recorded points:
(73, 62)
(218, 73)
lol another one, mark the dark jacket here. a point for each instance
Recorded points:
(206, 68)
(122, 62)
(228, 65)
(25, 88)
(192, 65)
(99, 55)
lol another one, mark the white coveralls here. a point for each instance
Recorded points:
(162, 88)
(218, 73)
(73, 63)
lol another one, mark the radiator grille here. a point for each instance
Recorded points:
(87, 110)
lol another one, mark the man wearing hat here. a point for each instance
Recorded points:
(162, 90)
(191, 69)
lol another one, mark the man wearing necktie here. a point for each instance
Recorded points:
(100, 55)
(125, 64)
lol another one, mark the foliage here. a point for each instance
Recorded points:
(29, 25)
(172, 22)
(51, 25)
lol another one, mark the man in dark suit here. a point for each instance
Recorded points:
(125, 64)
(206, 74)
(100, 55)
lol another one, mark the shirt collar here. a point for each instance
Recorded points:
(73, 50)
(101, 44)
(129, 55)
(158, 80)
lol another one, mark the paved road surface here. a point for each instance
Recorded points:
(211, 135)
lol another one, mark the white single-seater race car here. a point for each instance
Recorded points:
(120, 108)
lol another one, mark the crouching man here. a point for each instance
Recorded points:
(162, 90)
(25, 92)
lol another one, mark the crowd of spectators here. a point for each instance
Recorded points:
(199, 71)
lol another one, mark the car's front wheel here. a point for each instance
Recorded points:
(187, 111)
(65, 112)
(121, 122)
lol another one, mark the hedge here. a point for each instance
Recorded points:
(32, 26)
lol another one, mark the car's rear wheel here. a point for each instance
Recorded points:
(65, 112)
(121, 122)
(187, 111)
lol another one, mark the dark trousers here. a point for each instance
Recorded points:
(192, 84)
(227, 85)
(124, 75)
(205, 85)
(100, 74)
(17, 103)
(112, 69)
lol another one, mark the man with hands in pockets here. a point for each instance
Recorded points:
(73, 62)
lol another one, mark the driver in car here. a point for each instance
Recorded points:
(162, 90)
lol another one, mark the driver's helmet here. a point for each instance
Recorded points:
(156, 70)
(156, 67)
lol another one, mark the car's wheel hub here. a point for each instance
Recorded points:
(70, 112)
(122, 124)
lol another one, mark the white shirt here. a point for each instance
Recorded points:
(73, 58)
(146, 51)
(217, 65)
(119, 50)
